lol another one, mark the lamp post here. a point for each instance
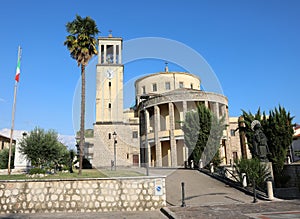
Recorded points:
(115, 155)
(145, 98)
(146, 144)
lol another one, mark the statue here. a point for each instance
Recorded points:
(260, 146)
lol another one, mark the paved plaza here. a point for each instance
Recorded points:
(205, 197)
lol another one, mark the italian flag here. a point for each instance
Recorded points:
(17, 78)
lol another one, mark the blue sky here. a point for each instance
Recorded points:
(252, 46)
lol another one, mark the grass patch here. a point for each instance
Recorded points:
(121, 173)
(86, 173)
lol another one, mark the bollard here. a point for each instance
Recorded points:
(200, 164)
(270, 190)
(192, 164)
(254, 192)
(212, 168)
(147, 169)
(111, 165)
(244, 180)
(182, 195)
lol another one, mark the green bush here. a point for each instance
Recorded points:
(37, 171)
(4, 158)
(254, 169)
(65, 168)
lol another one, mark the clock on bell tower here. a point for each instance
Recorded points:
(109, 81)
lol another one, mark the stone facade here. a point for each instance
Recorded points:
(292, 170)
(235, 144)
(127, 147)
(164, 98)
(110, 115)
(82, 195)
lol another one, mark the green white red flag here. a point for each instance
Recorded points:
(18, 71)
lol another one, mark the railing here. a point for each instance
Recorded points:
(230, 176)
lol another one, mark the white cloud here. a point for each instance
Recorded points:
(68, 140)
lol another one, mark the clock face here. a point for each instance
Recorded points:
(109, 74)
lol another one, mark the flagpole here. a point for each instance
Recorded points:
(13, 117)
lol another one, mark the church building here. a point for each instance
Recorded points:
(151, 132)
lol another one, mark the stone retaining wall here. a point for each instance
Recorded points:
(82, 195)
(292, 170)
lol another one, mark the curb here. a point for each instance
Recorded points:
(168, 213)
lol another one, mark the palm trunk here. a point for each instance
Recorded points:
(82, 116)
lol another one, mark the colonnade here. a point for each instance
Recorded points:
(162, 139)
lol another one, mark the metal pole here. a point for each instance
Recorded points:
(115, 155)
(182, 195)
(254, 192)
(115, 150)
(12, 129)
(13, 118)
(146, 143)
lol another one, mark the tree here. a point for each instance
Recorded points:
(4, 158)
(279, 132)
(278, 128)
(202, 134)
(211, 150)
(42, 148)
(82, 46)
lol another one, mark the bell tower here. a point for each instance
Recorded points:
(112, 143)
(109, 81)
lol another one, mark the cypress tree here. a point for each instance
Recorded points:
(202, 134)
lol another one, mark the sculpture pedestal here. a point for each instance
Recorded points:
(270, 168)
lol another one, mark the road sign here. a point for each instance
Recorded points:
(158, 187)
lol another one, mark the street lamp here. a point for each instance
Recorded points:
(146, 142)
(115, 155)
(146, 97)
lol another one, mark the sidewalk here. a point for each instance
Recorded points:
(103, 215)
(261, 209)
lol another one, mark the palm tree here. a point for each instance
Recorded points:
(82, 46)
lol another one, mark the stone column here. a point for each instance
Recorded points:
(172, 136)
(185, 148)
(217, 110)
(104, 55)
(206, 103)
(114, 54)
(156, 137)
(184, 110)
(223, 110)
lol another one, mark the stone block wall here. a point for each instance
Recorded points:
(82, 195)
(292, 170)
